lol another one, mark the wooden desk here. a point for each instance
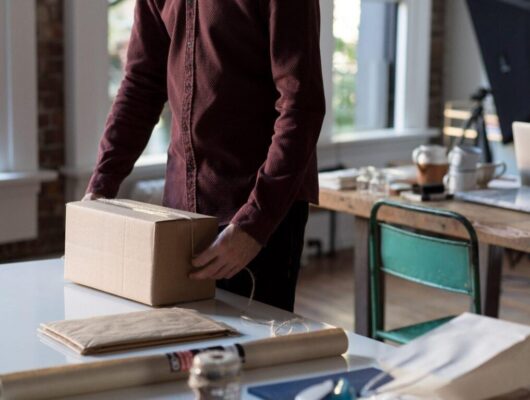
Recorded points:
(497, 229)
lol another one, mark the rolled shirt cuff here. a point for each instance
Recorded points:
(106, 185)
(256, 223)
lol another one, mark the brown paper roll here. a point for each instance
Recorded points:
(295, 348)
(99, 376)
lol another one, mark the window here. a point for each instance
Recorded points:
(18, 86)
(19, 175)
(120, 21)
(364, 34)
(346, 18)
(375, 59)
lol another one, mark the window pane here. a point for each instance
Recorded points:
(363, 64)
(346, 18)
(121, 17)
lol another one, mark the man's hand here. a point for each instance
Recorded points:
(91, 196)
(230, 253)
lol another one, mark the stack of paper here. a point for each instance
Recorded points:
(340, 179)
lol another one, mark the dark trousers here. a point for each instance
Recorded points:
(276, 266)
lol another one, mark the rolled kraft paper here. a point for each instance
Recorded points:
(295, 348)
(69, 380)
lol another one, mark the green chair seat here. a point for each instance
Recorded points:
(407, 333)
(424, 258)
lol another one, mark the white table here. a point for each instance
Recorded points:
(35, 292)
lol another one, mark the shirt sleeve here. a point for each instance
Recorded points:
(294, 32)
(138, 104)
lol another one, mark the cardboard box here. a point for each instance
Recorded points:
(136, 250)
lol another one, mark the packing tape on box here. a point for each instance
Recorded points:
(146, 208)
(76, 379)
(153, 210)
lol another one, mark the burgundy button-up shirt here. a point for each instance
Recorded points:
(244, 84)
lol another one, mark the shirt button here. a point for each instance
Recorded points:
(190, 44)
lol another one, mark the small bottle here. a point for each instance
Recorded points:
(216, 375)
(363, 180)
(379, 184)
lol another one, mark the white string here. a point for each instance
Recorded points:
(275, 326)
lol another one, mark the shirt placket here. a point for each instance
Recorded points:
(186, 125)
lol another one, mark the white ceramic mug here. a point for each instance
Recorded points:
(430, 155)
(464, 158)
(460, 181)
(488, 171)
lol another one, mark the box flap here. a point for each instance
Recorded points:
(138, 210)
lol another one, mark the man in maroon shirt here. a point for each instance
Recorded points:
(244, 84)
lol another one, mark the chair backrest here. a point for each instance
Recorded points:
(426, 258)
(433, 261)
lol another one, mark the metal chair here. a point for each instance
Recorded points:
(442, 262)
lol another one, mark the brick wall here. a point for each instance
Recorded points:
(51, 135)
(437, 63)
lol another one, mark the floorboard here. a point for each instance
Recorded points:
(325, 292)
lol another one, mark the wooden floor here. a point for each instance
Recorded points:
(325, 293)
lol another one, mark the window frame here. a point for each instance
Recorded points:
(20, 177)
(413, 64)
(411, 72)
(18, 86)
(4, 143)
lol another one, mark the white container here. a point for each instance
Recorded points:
(460, 181)
(464, 158)
(431, 154)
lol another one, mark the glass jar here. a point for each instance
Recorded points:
(363, 180)
(216, 375)
(379, 184)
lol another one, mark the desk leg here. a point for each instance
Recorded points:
(361, 277)
(490, 260)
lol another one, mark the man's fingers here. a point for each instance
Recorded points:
(91, 196)
(206, 257)
(210, 271)
(234, 271)
(224, 258)
(223, 272)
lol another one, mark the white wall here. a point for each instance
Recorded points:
(326, 37)
(463, 69)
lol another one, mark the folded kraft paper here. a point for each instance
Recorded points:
(136, 250)
(133, 330)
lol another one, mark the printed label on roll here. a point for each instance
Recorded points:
(181, 361)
